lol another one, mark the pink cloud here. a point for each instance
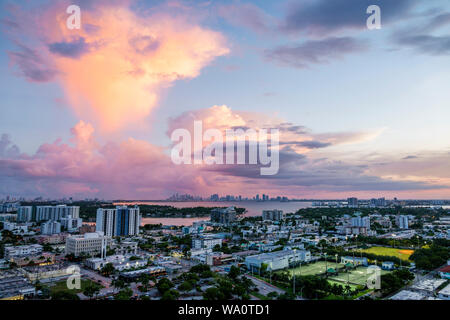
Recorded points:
(114, 69)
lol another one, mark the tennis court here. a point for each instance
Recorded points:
(314, 268)
(357, 276)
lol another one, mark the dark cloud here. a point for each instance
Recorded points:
(326, 17)
(315, 52)
(297, 170)
(31, 65)
(8, 150)
(437, 22)
(248, 16)
(73, 49)
(425, 44)
(307, 144)
(144, 44)
(409, 157)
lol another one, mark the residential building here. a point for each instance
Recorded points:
(273, 215)
(25, 214)
(51, 227)
(223, 216)
(14, 251)
(56, 213)
(121, 221)
(402, 221)
(444, 294)
(205, 243)
(352, 202)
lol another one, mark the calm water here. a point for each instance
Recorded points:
(253, 209)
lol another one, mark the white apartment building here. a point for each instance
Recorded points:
(273, 215)
(402, 222)
(121, 221)
(51, 227)
(88, 243)
(56, 213)
(33, 249)
(205, 243)
(71, 224)
(25, 214)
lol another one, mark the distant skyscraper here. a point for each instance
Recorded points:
(352, 202)
(122, 221)
(402, 222)
(273, 215)
(224, 216)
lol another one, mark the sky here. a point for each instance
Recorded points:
(89, 112)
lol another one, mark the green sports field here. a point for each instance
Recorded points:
(357, 276)
(314, 268)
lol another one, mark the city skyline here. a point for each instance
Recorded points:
(89, 113)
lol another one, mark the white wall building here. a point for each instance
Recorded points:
(88, 243)
(15, 251)
(56, 213)
(277, 260)
(51, 227)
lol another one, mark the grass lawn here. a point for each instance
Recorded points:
(62, 286)
(385, 251)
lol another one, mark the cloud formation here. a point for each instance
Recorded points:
(315, 51)
(114, 68)
(136, 169)
(323, 17)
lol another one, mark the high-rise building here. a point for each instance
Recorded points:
(25, 214)
(51, 227)
(273, 215)
(121, 221)
(224, 216)
(352, 202)
(402, 222)
(56, 213)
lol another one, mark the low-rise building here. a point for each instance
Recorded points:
(445, 293)
(34, 273)
(205, 243)
(90, 244)
(14, 286)
(14, 251)
(355, 261)
(120, 262)
(387, 265)
(444, 272)
(277, 260)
